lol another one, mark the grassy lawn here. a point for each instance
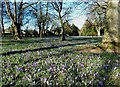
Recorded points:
(48, 61)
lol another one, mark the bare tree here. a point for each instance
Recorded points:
(39, 19)
(64, 11)
(16, 16)
(42, 16)
(98, 14)
(58, 6)
(98, 23)
(2, 8)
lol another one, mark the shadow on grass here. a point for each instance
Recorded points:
(89, 41)
(46, 48)
(84, 38)
(25, 41)
(48, 39)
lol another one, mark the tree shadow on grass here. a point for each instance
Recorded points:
(85, 38)
(25, 41)
(46, 48)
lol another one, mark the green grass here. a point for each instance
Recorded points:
(9, 45)
(60, 66)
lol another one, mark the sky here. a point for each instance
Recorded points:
(79, 22)
(53, 0)
(77, 19)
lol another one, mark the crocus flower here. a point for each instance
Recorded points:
(100, 84)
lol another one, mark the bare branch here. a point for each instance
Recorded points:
(20, 12)
(29, 5)
(55, 6)
(9, 10)
(15, 11)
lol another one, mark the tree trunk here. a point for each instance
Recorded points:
(13, 29)
(3, 30)
(43, 28)
(39, 25)
(98, 31)
(63, 34)
(40, 31)
(17, 31)
(63, 30)
(40, 28)
(111, 39)
(40, 19)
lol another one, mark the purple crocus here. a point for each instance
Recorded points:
(105, 78)
(96, 74)
(21, 69)
(35, 64)
(39, 70)
(106, 67)
(100, 84)
(82, 65)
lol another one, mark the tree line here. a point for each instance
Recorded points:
(45, 14)
(103, 15)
